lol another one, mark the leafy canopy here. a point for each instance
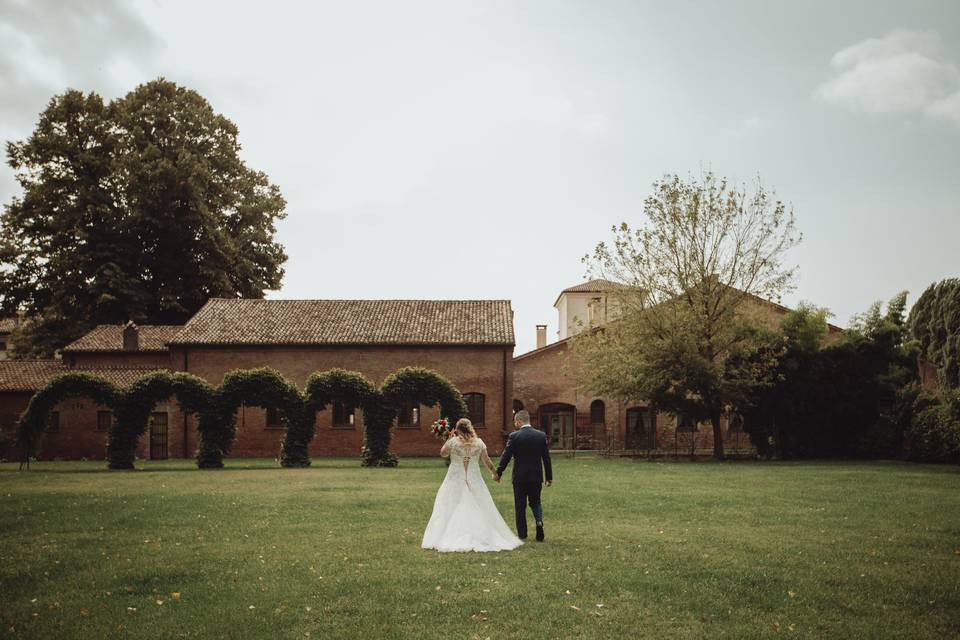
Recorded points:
(691, 336)
(139, 208)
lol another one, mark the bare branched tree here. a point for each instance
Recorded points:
(689, 338)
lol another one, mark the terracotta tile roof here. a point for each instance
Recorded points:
(593, 286)
(350, 322)
(598, 285)
(30, 375)
(109, 337)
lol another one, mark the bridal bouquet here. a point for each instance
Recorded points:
(441, 429)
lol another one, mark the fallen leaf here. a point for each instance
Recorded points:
(160, 602)
(175, 595)
(792, 594)
(84, 612)
(575, 607)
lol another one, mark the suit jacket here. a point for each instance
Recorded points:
(528, 447)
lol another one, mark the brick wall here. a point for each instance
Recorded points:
(549, 376)
(470, 369)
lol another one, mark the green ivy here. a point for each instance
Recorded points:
(413, 384)
(261, 387)
(133, 411)
(264, 387)
(66, 385)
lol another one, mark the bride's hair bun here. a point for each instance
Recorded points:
(465, 427)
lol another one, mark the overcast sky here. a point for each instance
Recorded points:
(479, 149)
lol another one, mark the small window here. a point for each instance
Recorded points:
(685, 422)
(517, 406)
(409, 415)
(598, 412)
(104, 420)
(343, 416)
(53, 421)
(3, 346)
(475, 407)
(274, 418)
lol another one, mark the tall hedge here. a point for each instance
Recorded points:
(423, 386)
(323, 389)
(73, 384)
(935, 322)
(263, 387)
(133, 411)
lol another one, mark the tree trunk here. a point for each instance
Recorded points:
(717, 436)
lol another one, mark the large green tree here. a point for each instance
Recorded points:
(691, 337)
(935, 323)
(139, 208)
(852, 397)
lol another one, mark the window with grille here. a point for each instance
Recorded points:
(104, 420)
(409, 416)
(343, 416)
(53, 421)
(476, 405)
(598, 412)
(274, 418)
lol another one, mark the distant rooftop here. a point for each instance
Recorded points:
(238, 321)
(31, 375)
(597, 285)
(109, 337)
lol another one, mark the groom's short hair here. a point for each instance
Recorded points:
(522, 416)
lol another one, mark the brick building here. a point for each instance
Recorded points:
(468, 341)
(545, 384)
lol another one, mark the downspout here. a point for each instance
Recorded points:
(504, 394)
(186, 429)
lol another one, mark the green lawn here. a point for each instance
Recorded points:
(664, 550)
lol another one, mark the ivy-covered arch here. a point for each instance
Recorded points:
(416, 384)
(263, 387)
(133, 411)
(323, 389)
(73, 384)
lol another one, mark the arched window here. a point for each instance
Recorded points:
(517, 406)
(475, 407)
(598, 412)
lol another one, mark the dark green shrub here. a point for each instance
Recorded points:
(935, 433)
(412, 384)
(66, 385)
(323, 389)
(261, 387)
(133, 410)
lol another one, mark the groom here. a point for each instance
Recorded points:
(529, 447)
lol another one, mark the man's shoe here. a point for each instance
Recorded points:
(539, 532)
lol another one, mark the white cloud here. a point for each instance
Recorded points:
(947, 108)
(904, 72)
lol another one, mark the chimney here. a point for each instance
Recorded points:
(541, 336)
(131, 337)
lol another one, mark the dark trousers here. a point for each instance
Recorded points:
(527, 493)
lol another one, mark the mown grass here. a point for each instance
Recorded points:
(638, 549)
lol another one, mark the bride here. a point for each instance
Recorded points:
(464, 516)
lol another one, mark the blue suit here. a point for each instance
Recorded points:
(531, 455)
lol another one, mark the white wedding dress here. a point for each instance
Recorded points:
(464, 516)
